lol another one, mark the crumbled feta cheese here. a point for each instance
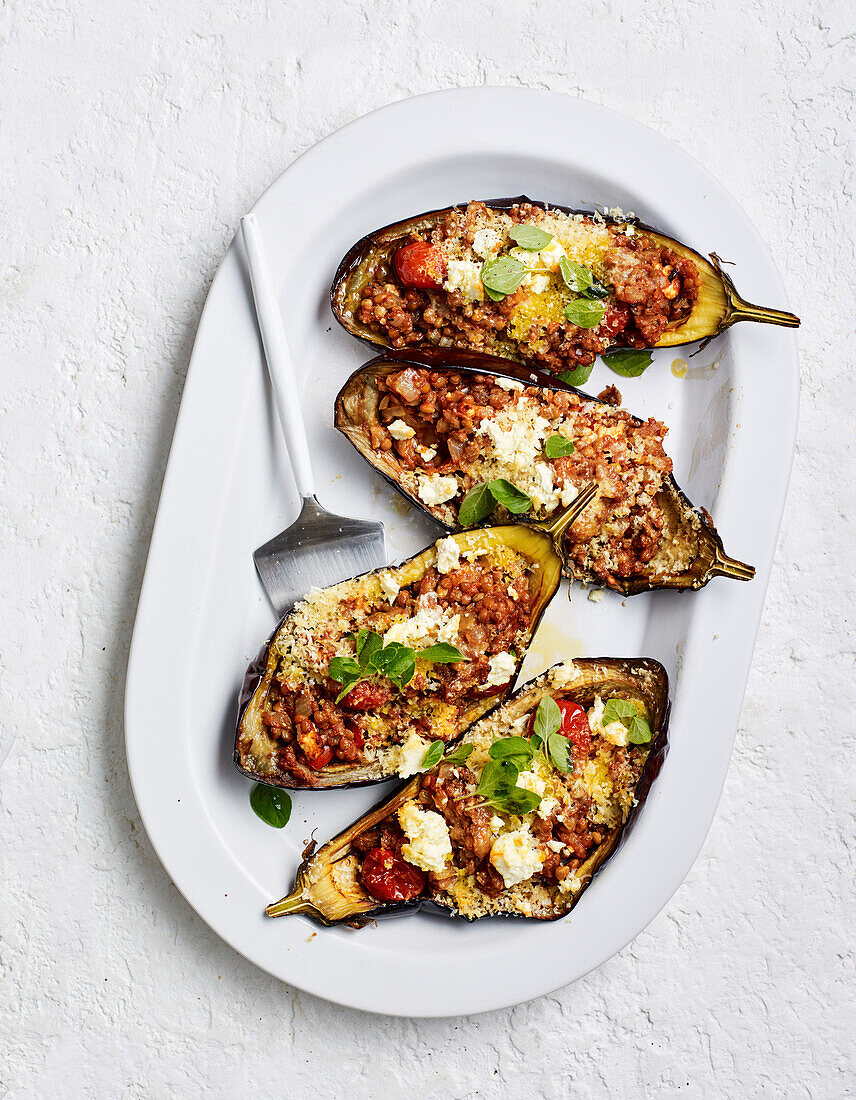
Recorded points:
(544, 492)
(535, 781)
(545, 260)
(487, 241)
(614, 732)
(515, 856)
(430, 846)
(389, 586)
(555, 845)
(426, 453)
(502, 668)
(536, 283)
(412, 754)
(448, 555)
(596, 595)
(569, 883)
(496, 823)
(424, 623)
(399, 430)
(520, 725)
(509, 384)
(464, 275)
(436, 489)
(569, 495)
(521, 441)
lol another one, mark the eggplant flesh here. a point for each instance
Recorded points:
(717, 307)
(257, 750)
(328, 887)
(690, 552)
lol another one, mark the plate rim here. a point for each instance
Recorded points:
(432, 99)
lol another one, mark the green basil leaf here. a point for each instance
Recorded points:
(548, 718)
(584, 313)
(460, 755)
(578, 376)
(442, 654)
(616, 710)
(432, 756)
(497, 777)
(558, 446)
(559, 747)
(271, 804)
(368, 643)
(629, 362)
(509, 495)
(530, 237)
(640, 732)
(476, 506)
(502, 275)
(343, 669)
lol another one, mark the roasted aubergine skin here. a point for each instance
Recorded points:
(257, 750)
(691, 552)
(717, 307)
(328, 887)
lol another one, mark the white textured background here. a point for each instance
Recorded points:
(132, 136)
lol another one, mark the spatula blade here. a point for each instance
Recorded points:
(318, 549)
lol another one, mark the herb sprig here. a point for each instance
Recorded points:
(558, 446)
(628, 362)
(434, 755)
(530, 237)
(394, 661)
(481, 500)
(502, 275)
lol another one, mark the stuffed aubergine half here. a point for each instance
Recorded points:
(444, 426)
(360, 677)
(545, 285)
(517, 819)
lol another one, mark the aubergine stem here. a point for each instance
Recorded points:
(724, 566)
(293, 903)
(741, 310)
(557, 526)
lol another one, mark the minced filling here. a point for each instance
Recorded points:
(476, 604)
(468, 429)
(464, 844)
(641, 288)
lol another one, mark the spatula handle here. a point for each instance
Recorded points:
(283, 380)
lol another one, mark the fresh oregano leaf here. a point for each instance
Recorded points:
(516, 749)
(640, 732)
(558, 747)
(548, 718)
(502, 275)
(584, 313)
(510, 496)
(629, 362)
(271, 804)
(558, 446)
(343, 669)
(616, 710)
(432, 756)
(579, 376)
(476, 506)
(530, 237)
(368, 643)
(460, 755)
(442, 653)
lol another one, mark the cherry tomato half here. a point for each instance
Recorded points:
(388, 877)
(575, 725)
(317, 755)
(366, 696)
(420, 265)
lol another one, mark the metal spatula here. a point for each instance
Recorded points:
(318, 548)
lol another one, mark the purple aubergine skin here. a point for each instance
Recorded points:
(718, 563)
(653, 765)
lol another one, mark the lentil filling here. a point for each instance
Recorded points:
(451, 431)
(577, 812)
(481, 607)
(432, 292)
